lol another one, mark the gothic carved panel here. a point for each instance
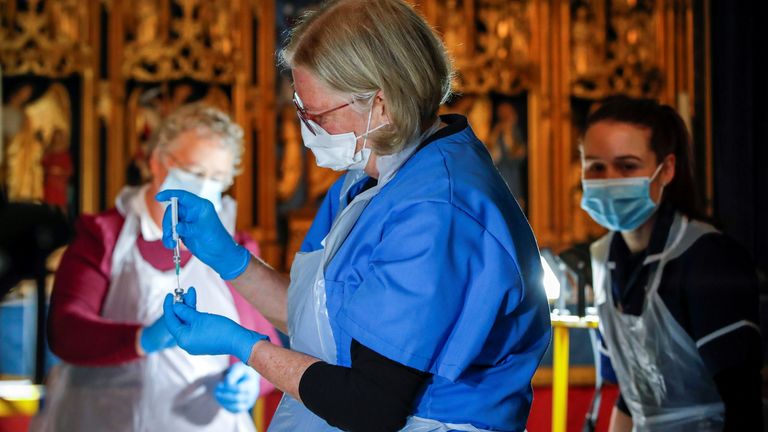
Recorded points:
(45, 38)
(490, 42)
(550, 58)
(44, 57)
(614, 48)
(181, 39)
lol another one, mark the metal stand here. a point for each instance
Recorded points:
(561, 324)
(590, 421)
(41, 323)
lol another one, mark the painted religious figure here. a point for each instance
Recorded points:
(508, 150)
(37, 160)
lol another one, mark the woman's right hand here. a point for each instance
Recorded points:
(203, 234)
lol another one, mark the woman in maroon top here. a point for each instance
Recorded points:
(122, 370)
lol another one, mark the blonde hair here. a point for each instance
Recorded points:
(362, 46)
(206, 121)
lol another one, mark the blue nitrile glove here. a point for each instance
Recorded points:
(239, 389)
(203, 333)
(156, 337)
(203, 234)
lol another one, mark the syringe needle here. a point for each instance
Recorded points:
(178, 291)
(177, 264)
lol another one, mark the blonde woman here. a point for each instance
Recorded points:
(416, 300)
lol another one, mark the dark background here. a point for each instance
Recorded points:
(740, 131)
(740, 123)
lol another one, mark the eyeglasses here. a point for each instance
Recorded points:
(226, 180)
(308, 118)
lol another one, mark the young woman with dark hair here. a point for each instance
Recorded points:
(677, 299)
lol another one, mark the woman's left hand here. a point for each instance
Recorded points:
(239, 389)
(203, 333)
(155, 337)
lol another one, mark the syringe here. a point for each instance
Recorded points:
(177, 292)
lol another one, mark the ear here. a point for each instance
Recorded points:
(156, 168)
(667, 173)
(380, 107)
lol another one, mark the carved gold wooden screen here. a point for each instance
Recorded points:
(560, 57)
(102, 73)
(163, 53)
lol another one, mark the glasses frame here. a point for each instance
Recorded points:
(226, 182)
(307, 116)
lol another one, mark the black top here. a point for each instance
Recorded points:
(709, 287)
(374, 394)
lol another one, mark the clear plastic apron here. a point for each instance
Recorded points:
(662, 377)
(167, 390)
(308, 323)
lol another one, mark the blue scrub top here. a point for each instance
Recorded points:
(442, 273)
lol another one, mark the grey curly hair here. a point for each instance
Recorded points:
(205, 120)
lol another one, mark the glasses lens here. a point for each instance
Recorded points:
(193, 172)
(303, 114)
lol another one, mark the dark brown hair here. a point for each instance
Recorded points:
(669, 135)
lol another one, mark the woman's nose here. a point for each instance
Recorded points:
(611, 173)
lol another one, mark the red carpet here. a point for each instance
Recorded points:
(14, 424)
(540, 419)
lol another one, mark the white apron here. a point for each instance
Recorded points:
(309, 327)
(168, 390)
(662, 377)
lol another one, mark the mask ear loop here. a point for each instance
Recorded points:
(365, 135)
(583, 161)
(653, 177)
(658, 170)
(368, 129)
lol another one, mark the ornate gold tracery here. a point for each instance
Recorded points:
(494, 54)
(621, 59)
(557, 52)
(182, 39)
(555, 55)
(46, 38)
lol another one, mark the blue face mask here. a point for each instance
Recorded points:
(619, 204)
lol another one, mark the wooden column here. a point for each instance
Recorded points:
(541, 123)
(265, 197)
(116, 157)
(90, 184)
(242, 108)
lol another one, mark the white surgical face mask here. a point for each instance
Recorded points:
(337, 151)
(203, 187)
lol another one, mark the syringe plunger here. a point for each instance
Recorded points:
(174, 217)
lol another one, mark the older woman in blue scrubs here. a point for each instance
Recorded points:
(416, 301)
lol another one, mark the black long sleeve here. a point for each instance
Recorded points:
(740, 390)
(374, 394)
(722, 292)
